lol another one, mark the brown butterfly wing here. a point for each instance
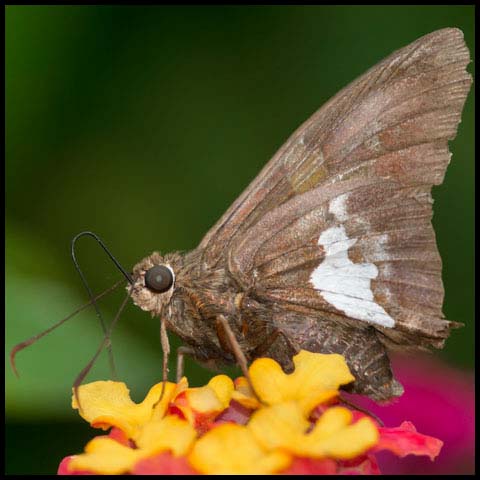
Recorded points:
(359, 171)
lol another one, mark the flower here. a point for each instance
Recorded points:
(200, 406)
(298, 427)
(439, 399)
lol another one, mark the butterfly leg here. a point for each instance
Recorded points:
(263, 347)
(360, 409)
(181, 352)
(235, 348)
(166, 352)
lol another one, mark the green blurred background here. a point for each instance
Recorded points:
(143, 124)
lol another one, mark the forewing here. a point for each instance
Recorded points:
(339, 221)
(300, 164)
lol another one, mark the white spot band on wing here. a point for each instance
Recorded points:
(342, 283)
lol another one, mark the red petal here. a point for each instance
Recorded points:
(63, 468)
(357, 415)
(236, 413)
(311, 466)
(163, 464)
(174, 410)
(119, 436)
(202, 421)
(405, 440)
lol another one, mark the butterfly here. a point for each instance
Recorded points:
(330, 249)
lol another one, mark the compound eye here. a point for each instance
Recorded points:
(159, 278)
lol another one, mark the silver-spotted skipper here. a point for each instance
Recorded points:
(331, 247)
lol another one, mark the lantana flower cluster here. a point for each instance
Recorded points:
(298, 427)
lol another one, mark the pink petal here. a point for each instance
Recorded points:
(63, 468)
(163, 464)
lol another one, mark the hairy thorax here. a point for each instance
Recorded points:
(192, 305)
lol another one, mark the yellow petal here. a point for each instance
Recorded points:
(223, 388)
(170, 433)
(202, 399)
(106, 456)
(278, 426)
(316, 379)
(106, 403)
(232, 449)
(331, 421)
(243, 394)
(333, 436)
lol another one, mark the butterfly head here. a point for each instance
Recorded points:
(154, 283)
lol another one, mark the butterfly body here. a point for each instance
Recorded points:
(262, 327)
(331, 247)
(198, 296)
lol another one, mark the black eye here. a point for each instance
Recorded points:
(159, 278)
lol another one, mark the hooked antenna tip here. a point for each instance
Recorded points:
(13, 352)
(77, 399)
